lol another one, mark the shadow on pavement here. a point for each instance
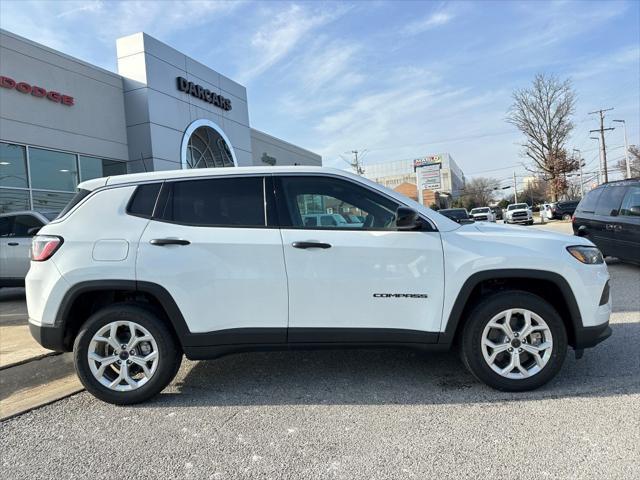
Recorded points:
(382, 377)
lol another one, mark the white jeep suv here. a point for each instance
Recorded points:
(144, 268)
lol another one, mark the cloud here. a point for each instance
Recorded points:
(273, 41)
(431, 21)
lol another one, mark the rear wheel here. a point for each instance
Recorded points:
(514, 341)
(566, 217)
(125, 354)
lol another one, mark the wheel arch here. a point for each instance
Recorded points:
(85, 298)
(549, 285)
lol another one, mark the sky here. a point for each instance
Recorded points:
(393, 79)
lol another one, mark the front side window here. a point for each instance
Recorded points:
(302, 198)
(609, 201)
(631, 203)
(218, 202)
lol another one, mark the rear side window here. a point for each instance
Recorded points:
(76, 199)
(610, 200)
(143, 200)
(23, 223)
(218, 202)
(589, 202)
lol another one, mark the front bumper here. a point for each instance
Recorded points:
(587, 337)
(49, 336)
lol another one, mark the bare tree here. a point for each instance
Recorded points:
(543, 114)
(478, 192)
(634, 162)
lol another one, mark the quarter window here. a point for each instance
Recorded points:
(589, 202)
(144, 199)
(321, 202)
(220, 202)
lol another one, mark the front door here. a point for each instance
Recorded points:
(209, 246)
(359, 282)
(628, 226)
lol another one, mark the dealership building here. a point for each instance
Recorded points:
(63, 120)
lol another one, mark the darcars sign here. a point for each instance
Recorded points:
(36, 91)
(202, 93)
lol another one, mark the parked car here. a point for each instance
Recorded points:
(353, 220)
(16, 231)
(609, 216)
(144, 268)
(497, 211)
(459, 215)
(563, 210)
(325, 220)
(545, 211)
(482, 214)
(518, 213)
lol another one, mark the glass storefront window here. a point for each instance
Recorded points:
(92, 167)
(207, 149)
(13, 166)
(50, 201)
(13, 200)
(52, 170)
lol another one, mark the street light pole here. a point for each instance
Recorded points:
(515, 189)
(626, 147)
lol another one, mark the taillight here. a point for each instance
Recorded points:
(44, 246)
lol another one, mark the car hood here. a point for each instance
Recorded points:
(514, 232)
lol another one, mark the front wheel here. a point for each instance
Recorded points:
(125, 354)
(514, 341)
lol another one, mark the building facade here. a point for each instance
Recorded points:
(436, 176)
(63, 120)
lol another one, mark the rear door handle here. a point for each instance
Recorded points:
(169, 241)
(13, 244)
(311, 245)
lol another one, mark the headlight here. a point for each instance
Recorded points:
(588, 255)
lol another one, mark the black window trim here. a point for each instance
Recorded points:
(429, 225)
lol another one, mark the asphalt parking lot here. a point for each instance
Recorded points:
(352, 414)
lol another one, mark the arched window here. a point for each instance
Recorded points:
(205, 146)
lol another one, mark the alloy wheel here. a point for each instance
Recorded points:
(517, 343)
(123, 356)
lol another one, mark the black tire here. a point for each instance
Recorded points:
(566, 217)
(483, 312)
(169, 353)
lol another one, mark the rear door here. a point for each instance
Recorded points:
(627, 232)
(607, 218)
(209, 245)
(364, 282)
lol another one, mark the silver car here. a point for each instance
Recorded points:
(16, 230)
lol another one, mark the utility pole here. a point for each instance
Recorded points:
(599, 159)
(626, 147)
(356, 165)
(515, 189)
(580, 164)
(602, 144)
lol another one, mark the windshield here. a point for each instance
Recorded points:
(517, 206)
(480, 210)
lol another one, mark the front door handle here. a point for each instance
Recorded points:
(169, 241)
(13, 244)
(311, 245)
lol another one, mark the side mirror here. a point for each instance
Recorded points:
(33, 231)
(408, 219)
(635, 210)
